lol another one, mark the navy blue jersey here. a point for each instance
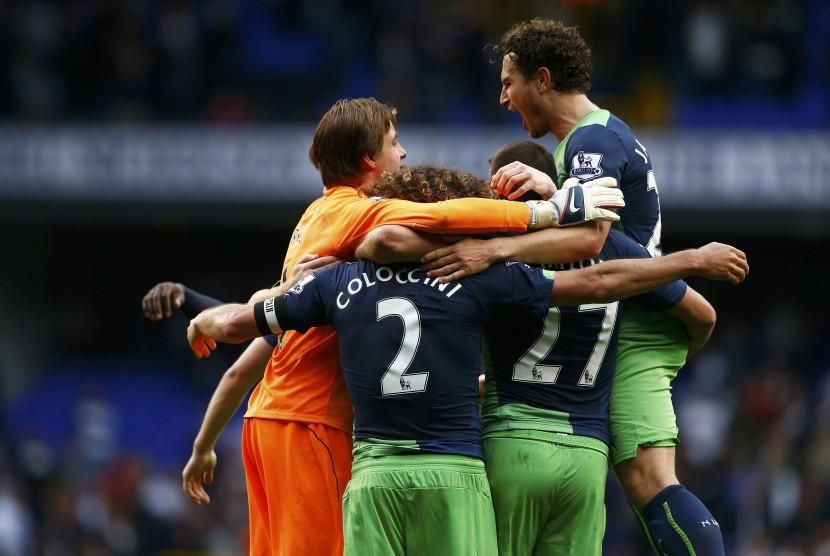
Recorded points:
(555, 373)
(601, 145)
(410, 348)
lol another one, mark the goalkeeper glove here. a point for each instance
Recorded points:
(576, 203)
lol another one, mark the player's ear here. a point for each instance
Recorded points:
(543, 79)
(368, 162)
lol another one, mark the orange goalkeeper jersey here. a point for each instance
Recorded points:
(302, 381)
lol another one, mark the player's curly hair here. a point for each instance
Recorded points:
(550, 44)
(429, 184)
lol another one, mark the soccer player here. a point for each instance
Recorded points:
(413, 378)
(545, 78)
(546, 407)
(297, 430)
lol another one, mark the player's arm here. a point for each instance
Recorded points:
(556, 245)
(545, 247)
(305, 265)
(568, 207)
(395, 244)
(234, 323)
(231, 323)
(228, 396)
(698, 317)
(162, 298)
(470, 255)
(613, 280)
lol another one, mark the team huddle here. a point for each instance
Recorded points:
(367, 432)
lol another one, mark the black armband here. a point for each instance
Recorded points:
(259, 317)
(269, 315)
(195, 303)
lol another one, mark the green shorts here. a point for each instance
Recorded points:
(548, 492)
(419, 504)
(652, 348)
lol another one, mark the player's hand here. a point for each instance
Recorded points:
(570, 182)
(578, 203)
(200, 344)
(159, 302)
(466, 257)
(305, 265)
(199, 470)
(718, 261)
(515, 179)
(312, 263)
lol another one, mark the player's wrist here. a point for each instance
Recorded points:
(501, 250)
(686, 263)
(695, 262)
(201, 448)
(544, 214)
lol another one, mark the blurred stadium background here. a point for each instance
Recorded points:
(157, 140)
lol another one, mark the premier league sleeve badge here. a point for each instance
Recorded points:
(586, 166)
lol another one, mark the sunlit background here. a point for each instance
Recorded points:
(151, 140)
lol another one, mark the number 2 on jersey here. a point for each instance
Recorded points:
(395, 380)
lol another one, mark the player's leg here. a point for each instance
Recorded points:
(259, 525)
(548, 492)
(644, 434)
(303, 469)
(645, 475)
(678, 523)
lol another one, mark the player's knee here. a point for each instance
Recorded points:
(642, 477)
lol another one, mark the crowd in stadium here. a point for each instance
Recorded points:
(223, 60)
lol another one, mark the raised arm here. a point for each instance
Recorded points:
(613, 280)
(698, 317)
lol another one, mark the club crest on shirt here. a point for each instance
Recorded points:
(585, 166)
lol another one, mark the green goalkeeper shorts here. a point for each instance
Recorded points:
(419, 504)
